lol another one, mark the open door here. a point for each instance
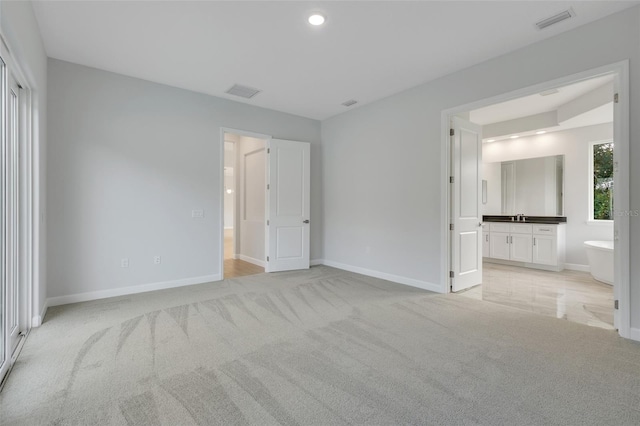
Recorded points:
(466, 207)
(288, 202)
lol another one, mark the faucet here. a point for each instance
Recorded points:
(520, 216)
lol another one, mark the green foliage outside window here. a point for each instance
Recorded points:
(603, 181)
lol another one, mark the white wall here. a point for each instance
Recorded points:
(128, 162)
(382, 162)
(229, 183)
(574, 145)
(251, 191)
(22, 34)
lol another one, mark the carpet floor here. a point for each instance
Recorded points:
(317, 347)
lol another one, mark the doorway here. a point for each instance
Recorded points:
(522, 249)
(244, 204)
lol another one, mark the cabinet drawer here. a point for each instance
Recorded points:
(520, 228)
(499, 227)
(545, 229)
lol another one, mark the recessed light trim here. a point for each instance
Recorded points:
(316, 19)
(541, 132)
(514, 137)
(491, 140)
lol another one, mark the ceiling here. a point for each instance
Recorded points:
(535, 104)
(365, 51)
(531, 105)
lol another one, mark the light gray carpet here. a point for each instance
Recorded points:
(318, 347)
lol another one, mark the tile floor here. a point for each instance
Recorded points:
(571, 295)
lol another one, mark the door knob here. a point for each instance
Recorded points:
(305, 221)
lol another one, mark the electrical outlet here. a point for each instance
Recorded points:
(198, 213)
(124, 263)
(157, 260)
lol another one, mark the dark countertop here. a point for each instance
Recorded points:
(548, 220)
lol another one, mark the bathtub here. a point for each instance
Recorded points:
(600, 255)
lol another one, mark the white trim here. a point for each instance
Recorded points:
(577, 267)
(602, 223)
(621, 137)
(383, 275)
(122, 291)
(37, 320)
(255, 261)
(316, 262)
(634, 334)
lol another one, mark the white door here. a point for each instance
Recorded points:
(11, 206)
(499, 245)
(486, 247)
(466, 204)
(545, 250)
(521, 247)
(288, 218)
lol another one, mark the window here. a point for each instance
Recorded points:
(601, 181)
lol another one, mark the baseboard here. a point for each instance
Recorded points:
(577, 267)
(385, 276)
(37, 320)
(252, 260)
(316, 262)
(122, 291)
(634, 334)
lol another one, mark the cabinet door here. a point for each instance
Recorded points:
(486, 247)
(545, 250)
(521, 249)
(499, 245)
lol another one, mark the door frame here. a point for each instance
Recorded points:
(267, 139)
(28, 207)
(621, 121)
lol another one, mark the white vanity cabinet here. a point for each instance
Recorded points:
(525, 244)
(486, 246)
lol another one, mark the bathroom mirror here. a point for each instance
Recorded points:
(532, 186)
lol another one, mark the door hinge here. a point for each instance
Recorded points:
(451, 227)
(267, 223)
(451, 274)
(615, 304)
(268, 150)
(615, 98)
(267, 258)
(267, 186)
(452, 132)
(451, 179)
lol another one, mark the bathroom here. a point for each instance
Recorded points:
(547, 163)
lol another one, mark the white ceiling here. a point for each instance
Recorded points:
(366, 50)
(535, 104)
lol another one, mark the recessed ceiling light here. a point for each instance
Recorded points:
(316, 19)
(514, 136)
(541, 132)
(549, 92)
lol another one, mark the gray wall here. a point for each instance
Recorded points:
(382, 161)
(128, 161)
(21, 31)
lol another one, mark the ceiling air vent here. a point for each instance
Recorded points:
(243, 91)
(555, 19)
(349, 102)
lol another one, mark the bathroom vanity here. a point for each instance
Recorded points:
(532, 242)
